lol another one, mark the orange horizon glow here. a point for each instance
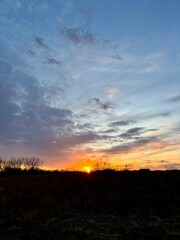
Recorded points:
(160, 160)
(153, 157)
(87, 169)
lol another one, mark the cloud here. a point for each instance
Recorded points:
(116, 57)
(70, 142)
(27, 119)
(152, 130)
(174, 99)
(111, 130)
(122, 123)
(31, 53)
(165, 114)
(51, 61)
(132, 132)
(16, 140)
(36, 122)
(135, 131)
(37, 128)
(113, 92)
(127, 147)
(39, 42)
(78, 35)
(40, 123)
(152, 62)
(170, 166)
(102, 105)
(84, 126)
(163, 161)
(148, 116)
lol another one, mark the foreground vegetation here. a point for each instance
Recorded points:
(102, 205)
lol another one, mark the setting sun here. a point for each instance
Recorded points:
(87, 169)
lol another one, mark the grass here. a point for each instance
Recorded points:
(97, 206)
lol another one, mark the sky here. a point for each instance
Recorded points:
(87, 83)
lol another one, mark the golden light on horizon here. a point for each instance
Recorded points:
(87, 169)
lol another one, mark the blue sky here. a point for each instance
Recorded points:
(85, 82)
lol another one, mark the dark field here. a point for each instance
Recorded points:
(102, 205)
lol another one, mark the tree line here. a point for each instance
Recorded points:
(13, 163)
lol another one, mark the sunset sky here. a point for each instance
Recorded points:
(91, 81)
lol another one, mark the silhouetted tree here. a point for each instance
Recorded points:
(127, 167)
(14, 164)
(11, 164)
(32, 163)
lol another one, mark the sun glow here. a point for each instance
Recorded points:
(87, 169)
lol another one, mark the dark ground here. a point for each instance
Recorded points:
(104, 205)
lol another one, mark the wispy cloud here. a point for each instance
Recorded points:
(132, 132)
(149, 116)
(116, 57)
(113, 92)
(127, 147)
(152, 62)
(39, 42)
(31, 52)
(78, 35)
(102, 105)
(122, 123)
(173, 99)
(170, 166)
(51, 61)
